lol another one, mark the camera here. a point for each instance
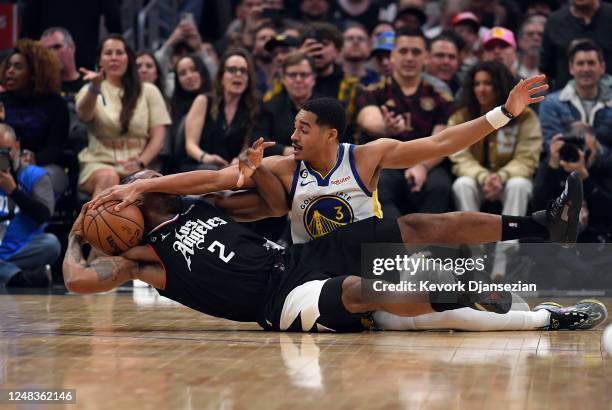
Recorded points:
(572, 143)
(6, 161)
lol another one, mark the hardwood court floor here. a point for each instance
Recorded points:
(140, 351)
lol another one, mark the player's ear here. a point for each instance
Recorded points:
(332, 133)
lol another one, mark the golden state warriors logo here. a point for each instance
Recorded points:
(325, 214)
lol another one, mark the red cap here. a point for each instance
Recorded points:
(466, 16)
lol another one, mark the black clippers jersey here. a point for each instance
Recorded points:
(213, 264)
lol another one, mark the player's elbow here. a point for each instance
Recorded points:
(77, 285)
(73, 286)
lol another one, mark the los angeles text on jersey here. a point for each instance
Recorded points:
(459, 286)
(191, 236)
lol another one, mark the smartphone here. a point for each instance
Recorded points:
(318, 36)
(187, 17)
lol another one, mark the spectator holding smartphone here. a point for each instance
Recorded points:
(184, 40)
(322, 42)
(405, 106)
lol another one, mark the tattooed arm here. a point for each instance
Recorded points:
(105, 272)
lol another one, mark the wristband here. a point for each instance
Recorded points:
(506, 112)
(497, 118)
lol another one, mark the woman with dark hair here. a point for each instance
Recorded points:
(149, 70)
(500, 166)
(218, 128)
(32, 103)
(191, 79)
(126, 119)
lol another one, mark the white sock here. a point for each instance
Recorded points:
(466, 319)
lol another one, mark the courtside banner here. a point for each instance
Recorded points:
(392, 272)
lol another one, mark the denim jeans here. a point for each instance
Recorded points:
(42, 250)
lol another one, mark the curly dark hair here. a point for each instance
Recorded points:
(130, 82)
(322, 31)
(43, 65)
(503, 82)
(250, 96)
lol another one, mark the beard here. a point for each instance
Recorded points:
(355, 58)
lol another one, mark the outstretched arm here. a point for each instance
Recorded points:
(186, 183)
(243, 206)
(191, 183)
(268, 186)
(395, 154)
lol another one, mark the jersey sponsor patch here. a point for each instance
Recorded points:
(325, 214)
(191, 236)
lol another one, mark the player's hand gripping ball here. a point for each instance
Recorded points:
(113, 232)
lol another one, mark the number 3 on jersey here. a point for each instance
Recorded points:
(225, 258)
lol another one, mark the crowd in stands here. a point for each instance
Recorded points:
(403, 69)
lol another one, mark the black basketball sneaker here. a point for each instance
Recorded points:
(584, 315)
(561, 215)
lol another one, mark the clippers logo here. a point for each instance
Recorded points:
(325, 214)
(191, 236)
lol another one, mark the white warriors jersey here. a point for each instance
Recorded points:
(322, 204)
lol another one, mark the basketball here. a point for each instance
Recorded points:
(113, 232)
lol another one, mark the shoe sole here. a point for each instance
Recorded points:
(601, 305)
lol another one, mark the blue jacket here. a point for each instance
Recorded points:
(563, 107)
(21, 228)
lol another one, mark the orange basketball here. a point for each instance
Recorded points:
(113, 232)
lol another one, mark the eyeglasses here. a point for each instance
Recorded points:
(294, 76)
(237, 70)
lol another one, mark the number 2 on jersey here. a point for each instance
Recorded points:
(225, 258)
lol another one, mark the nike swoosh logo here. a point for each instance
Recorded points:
(164, 236)
(305, 183)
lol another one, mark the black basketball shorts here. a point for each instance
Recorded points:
(308, 294)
